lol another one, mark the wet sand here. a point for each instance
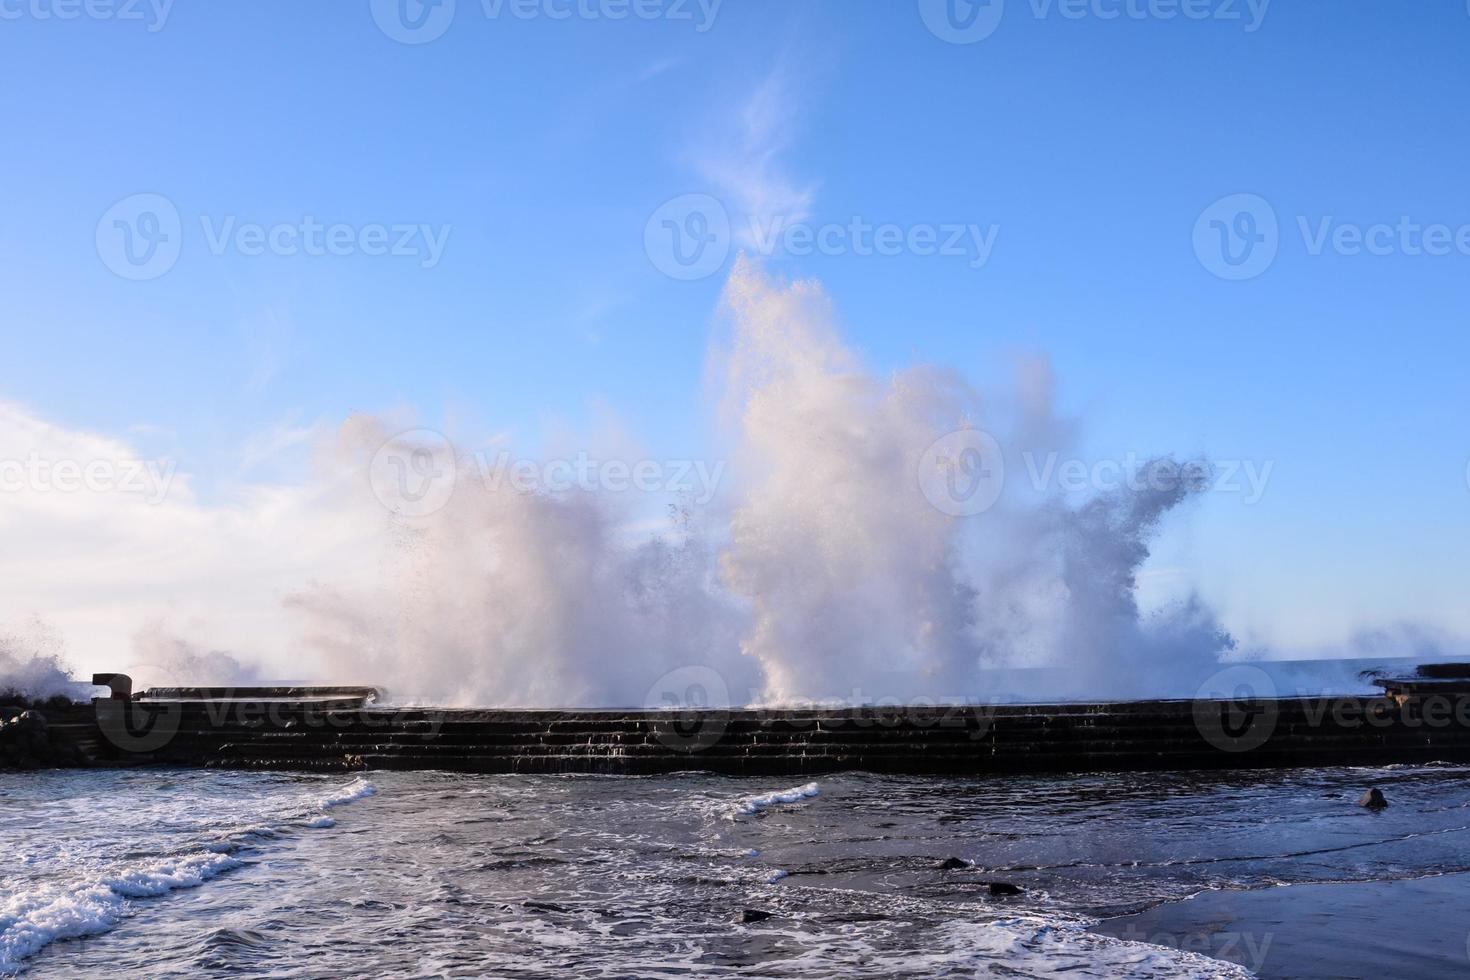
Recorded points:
(1410, 928)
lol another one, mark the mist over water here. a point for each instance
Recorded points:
(822, 569)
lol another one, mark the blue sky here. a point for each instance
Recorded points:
(1092, 144)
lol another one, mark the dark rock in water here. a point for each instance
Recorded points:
(28, 742)
(1005, 888)
(953, 864)
(1373, 799)
(1444, 671)
(30, 721)
(755, 915)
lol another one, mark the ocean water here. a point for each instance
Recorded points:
(204, 873)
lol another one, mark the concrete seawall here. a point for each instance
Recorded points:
(339, 732)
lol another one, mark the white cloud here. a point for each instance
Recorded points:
(98, 558)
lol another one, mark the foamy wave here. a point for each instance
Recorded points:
(163, 876)
(755, 804)
(967, 942)
(356, 790)
(31, 921)
(1062, 947)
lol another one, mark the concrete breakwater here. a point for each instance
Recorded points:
(342, 729)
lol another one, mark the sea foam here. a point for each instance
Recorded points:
(751, 805)
(33, 919)
(356, 790)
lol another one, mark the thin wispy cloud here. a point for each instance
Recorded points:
(274, 443)
(747, 163)
(660, 66)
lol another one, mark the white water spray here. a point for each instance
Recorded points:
(821, 572)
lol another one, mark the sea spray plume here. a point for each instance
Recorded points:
(859, 587)
(1055, 585)
(1104, 544)
(846, 567)
(836, 577)
(33, 663)
(516, 597)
